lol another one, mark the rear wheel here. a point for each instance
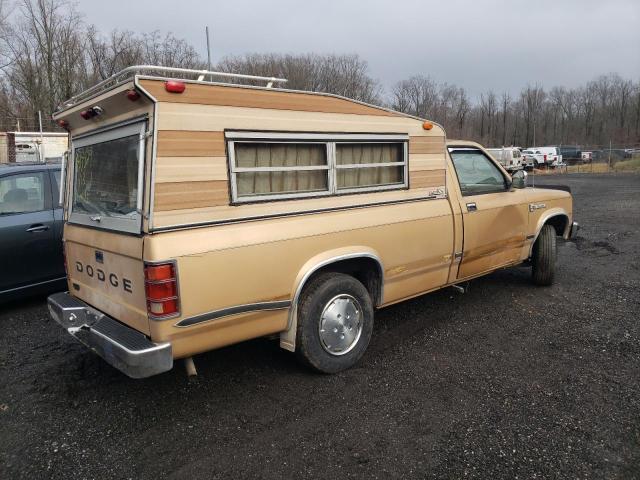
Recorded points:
(544, 257)
(335, 322)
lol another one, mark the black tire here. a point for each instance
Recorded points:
(544, 257)
(318, 295)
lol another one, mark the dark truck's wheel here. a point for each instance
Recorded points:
(335, 321)
(544, 257)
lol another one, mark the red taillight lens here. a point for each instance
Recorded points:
(161, 288)
(174, 86)
(159, 291)
(155, 273)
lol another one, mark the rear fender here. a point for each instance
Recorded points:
(288, 337)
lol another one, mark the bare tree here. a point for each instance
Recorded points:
(505, 101)
(418, 96)
(345, 75)
(488, 109)
(48, 53)
(45, 50)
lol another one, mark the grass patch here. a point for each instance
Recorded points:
(632, 165)
(588, 168)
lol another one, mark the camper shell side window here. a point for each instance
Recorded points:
(275, 166)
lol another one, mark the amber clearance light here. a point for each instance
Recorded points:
(427, 125)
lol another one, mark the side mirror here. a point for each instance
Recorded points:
(519, 179)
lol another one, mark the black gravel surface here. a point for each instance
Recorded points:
(506, 381)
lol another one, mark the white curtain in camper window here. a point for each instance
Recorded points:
(275, 155)
(355, 154)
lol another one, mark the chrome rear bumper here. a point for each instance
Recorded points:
(126, 349)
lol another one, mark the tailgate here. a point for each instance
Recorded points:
(106, 271)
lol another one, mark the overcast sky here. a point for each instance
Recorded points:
(477, 44)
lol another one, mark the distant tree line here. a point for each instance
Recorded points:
(604, 109)
(48, 53)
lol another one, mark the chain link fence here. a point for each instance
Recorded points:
(611, 157)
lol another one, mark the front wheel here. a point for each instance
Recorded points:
(544, 257)
(335, 322)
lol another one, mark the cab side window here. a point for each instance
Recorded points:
(476, 173)
(23, 193)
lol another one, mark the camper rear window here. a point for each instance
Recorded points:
(107, 183)
(270, 170)
(107, 177)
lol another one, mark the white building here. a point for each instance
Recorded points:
(32, 146)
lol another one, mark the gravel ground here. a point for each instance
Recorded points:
(505, 381)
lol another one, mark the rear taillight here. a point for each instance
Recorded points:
(161, 288)
(545, 158)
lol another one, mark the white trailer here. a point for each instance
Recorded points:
(510, 157)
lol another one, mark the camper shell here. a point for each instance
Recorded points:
(200, 214)
(180, 184)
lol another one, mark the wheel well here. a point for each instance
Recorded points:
(365, 269)
(559, 223)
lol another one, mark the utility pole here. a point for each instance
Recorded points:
(208, 50)
(534, 132)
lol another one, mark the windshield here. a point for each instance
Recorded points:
(107, 177)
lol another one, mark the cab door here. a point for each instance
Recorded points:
(27, 249)
(495, 217)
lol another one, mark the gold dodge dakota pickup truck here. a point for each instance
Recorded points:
(199, 214)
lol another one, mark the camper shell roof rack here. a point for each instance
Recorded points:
(166, 72)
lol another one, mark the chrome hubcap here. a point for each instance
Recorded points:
(340, 324)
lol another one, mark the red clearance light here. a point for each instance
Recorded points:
(161, 288)
(63, 123)
(133, 95)
(174, 86)
(92, 112)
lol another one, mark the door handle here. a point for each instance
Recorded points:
(472, 207)
(37, 228)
